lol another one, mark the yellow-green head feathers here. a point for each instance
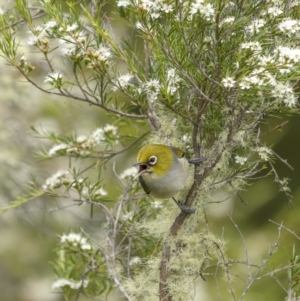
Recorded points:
(158, 157)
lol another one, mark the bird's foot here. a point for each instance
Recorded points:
(196, 161)
(184, 208)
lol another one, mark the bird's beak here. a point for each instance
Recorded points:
(143, 167)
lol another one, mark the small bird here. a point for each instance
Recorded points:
(164, 171)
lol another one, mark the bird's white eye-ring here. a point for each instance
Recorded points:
(152, 160)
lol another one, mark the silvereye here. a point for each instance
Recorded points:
(164, 171)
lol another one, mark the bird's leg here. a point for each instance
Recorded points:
(184, 208)
(196, 161)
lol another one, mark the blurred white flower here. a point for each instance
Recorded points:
(240, 160)
(152, 88)
(76, 240)
(54, 78)
(255, 25)
(73, 284)
(81, 138)
(100, 192)
(109, 128)
(32, 40)
(56, 180)
(264, 152)
(54, 149)
(157, 204)
(123, 3)
(71, 27)
(228, 82)
(103, 53)
(128, 173)
(98, 135)
(135, 261)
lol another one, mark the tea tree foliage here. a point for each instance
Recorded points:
(199, 75)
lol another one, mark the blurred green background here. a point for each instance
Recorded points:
(28, 235)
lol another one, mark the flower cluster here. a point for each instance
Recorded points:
(122, 82)
(54, 79)
(240, 160)
(228, 82)
(57, 180)
(24, 65)
(75, 240)
(206, 10)
(156, 8)
(152, 89)
(173, 81)
(255, 26)
(285, 93)
(129, 173)
(264, 152)
(73, 284)
(83, 144)
(79, 185)
(254, 46)
(74, 43)
(273, 11)
(289, 26)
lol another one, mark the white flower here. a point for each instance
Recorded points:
(32, 40)
(196, 6)
(109, 128)
(129, 173)
(81, 138)
(135, 261)
(264, 152)
(123, 81)
(240, 160)
(71, 27)
(103, 53)
(100, 192)
(50, 24)
(288, 55)
(127, 216)
(98, 135)
(56, 180)
(76, 240)
(54, 78)
(266, 60)
(274, 11)
(69, 49)
(167, 8)
(252, 80)
(56, 148)
(173, 80)
(206, 10)
(227, 20)
(157, 204)
(285, 93)
(228, 82)
(152, 88)
(289, 26)
(1, 11)
(123, 3)
(73, 284)
(255, 25)
(254, 46)
(290, 100)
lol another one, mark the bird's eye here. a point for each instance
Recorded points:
(152, 160)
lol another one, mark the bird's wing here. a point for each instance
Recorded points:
(178, 152)
(144, 185)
